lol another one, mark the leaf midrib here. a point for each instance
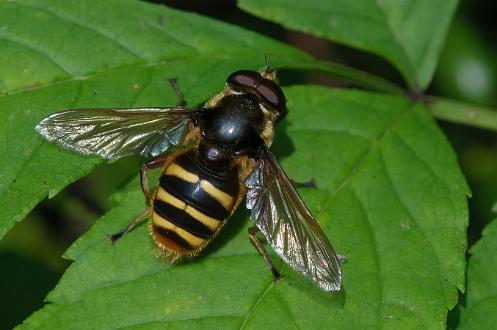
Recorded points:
(104, 34)
(38, 51)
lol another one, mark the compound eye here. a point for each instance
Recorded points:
(244, 78)
(272, 93)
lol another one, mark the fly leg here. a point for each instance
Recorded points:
(143, 214)
(177, 90)
(252, 231)
(155, 163)
(306, 184)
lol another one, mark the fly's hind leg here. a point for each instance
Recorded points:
(143, 214)
(155, 163)
(252, 231)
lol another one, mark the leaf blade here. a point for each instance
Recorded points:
(409, 34)
(390, 201)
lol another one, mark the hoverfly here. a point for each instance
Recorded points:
(211, 157)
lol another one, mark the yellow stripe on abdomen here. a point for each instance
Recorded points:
(225, 199)
(178, 171)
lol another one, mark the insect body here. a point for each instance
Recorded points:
(211, 157)
(191, 204)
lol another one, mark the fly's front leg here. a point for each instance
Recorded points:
(177, 90)
(252, 231)
(155, 163)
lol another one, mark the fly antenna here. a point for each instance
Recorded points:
(267, 71)
(266, 61)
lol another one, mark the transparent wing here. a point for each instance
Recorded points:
(289, 227)
(115, 133)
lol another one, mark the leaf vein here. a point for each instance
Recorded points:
(176, 320)
(362, 157)
(171, 36)
(39, 51)
(99, 32)
(376, 259)
(427, 166)
(413, 218)
(252, 309)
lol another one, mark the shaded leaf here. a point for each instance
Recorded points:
(390, 197)
(410, 34)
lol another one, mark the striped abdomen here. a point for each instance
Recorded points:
(190, 204)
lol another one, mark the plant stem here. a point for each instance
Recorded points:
(441, 108)
(462, 113)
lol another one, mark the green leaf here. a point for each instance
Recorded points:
(58, 54)
(390, 196)
(481, 297)
(410, 34)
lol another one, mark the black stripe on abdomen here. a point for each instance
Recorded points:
(192, 194)
(172, 236)
(181, 219)
(226, 180)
